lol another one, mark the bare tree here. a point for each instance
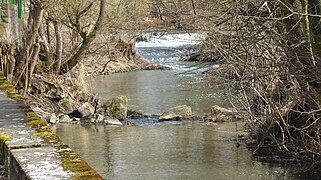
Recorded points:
(272, 52)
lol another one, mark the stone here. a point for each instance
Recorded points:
(87, 120)
(86, 109)
(51, 90)
(98, 118)
(42, 113)
(75, 119)
(131, 114)
(64, 119)
(83, 111)
(116, 107)
(53, 119)
(111, 121)
(220, 110)
(177, 113)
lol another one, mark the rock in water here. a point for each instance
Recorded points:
(220, 110)
(84, 110)
(134, 114)
(64, 119)
(177, 113)
(87, 120)
(111, 121)
(115, 107)
(220, 114)
(99, 118)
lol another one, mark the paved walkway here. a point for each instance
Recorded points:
(26, 154)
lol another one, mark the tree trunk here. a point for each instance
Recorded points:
(57, 25)
(48, 30)
(45, 45)
(87, 39)
(302, 53)
(29, 51)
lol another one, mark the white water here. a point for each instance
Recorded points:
(172, 40)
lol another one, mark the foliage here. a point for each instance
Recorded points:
(273, 54)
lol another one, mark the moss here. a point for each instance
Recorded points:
(56, 83)
(9, 88)
(36, 123)
(72, 162)
(34, 120)
(42, 130)
(4, 136)
(91, 34)
(41, 67)
(116, 111)
(45, 134)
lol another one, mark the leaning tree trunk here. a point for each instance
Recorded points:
(87, 39)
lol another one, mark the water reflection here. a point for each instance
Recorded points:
(166, 151)
(154, 92)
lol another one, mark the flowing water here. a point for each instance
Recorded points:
(171, 150)
(154, 92)
(166, 151)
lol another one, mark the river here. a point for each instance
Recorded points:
(171, 150)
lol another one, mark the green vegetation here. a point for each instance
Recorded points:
(72, 162)
(4, 137)
(9, 88)
(42, 129)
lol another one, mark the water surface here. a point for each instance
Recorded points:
(166, 151)
(153, 92)
(170, 150)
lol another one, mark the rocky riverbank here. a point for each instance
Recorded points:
(65, 99)
(52, 96)
(115, 112)
(121, 57)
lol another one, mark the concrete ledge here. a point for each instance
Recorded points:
(30, 150)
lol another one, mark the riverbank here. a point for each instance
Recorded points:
(121, 57)
(29, 149)
(282, 111)
(52, 96)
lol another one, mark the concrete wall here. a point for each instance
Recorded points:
(28, 147)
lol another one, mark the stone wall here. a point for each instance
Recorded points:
(28, 147)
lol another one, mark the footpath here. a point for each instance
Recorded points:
(29, 149)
